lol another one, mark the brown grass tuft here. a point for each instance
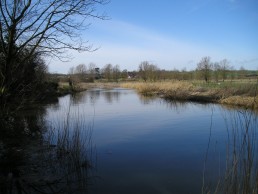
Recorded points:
(231, 94)
(244, 101)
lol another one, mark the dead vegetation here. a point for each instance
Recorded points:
(236, 94)
(243, 94)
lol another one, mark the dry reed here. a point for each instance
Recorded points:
(237, 94)
(241, 170)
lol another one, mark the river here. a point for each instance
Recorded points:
(134, 144)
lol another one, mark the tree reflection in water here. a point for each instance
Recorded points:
(37, 158)
(94, 95)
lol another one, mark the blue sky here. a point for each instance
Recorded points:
(171, 34)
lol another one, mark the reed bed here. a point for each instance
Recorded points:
(250, 102)
(158, 87)
(237, 94)
(241, 162)
(243, 94)
(176, 90)
(173, 90)
(61, 161)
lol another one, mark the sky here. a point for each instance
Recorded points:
(172, 34)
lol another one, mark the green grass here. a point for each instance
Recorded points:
(235, 88)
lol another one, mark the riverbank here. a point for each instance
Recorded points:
(228, 93)
(242, 94)
(64, 87)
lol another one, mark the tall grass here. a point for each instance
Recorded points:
(61, 161)
(237, 94)
(175, 89)
(241, 165)
(69, 155)
(241, 174)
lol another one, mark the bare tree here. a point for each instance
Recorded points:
(205, 67)
(116, 73)
(41, 26)
(224, 68)
(217, 71)
(124, 74)
(148, 71)
(108, 72)
(143, 70)
(92, 72)
(80, 69)
(153, 72)
(81, 72)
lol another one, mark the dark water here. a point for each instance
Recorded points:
(146, 145)
(116, 141)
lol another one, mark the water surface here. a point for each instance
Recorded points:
(149, 145)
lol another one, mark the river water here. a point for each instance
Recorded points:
(149, 145)
(118, 142)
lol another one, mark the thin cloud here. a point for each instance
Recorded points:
(127, 45)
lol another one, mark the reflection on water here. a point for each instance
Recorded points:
(240, 172)
(38, 158)
(143, 145)
(110, 96)
(149, 145)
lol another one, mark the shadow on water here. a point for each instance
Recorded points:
(239, 172)
(36, 157)
(162, 155)
(112, 96)
(94, 95)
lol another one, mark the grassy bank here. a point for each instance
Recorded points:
(242, 94)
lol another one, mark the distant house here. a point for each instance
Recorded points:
(131, 75)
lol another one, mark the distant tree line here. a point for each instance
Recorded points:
(221, 71)
(90, 73)
(206, 70)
